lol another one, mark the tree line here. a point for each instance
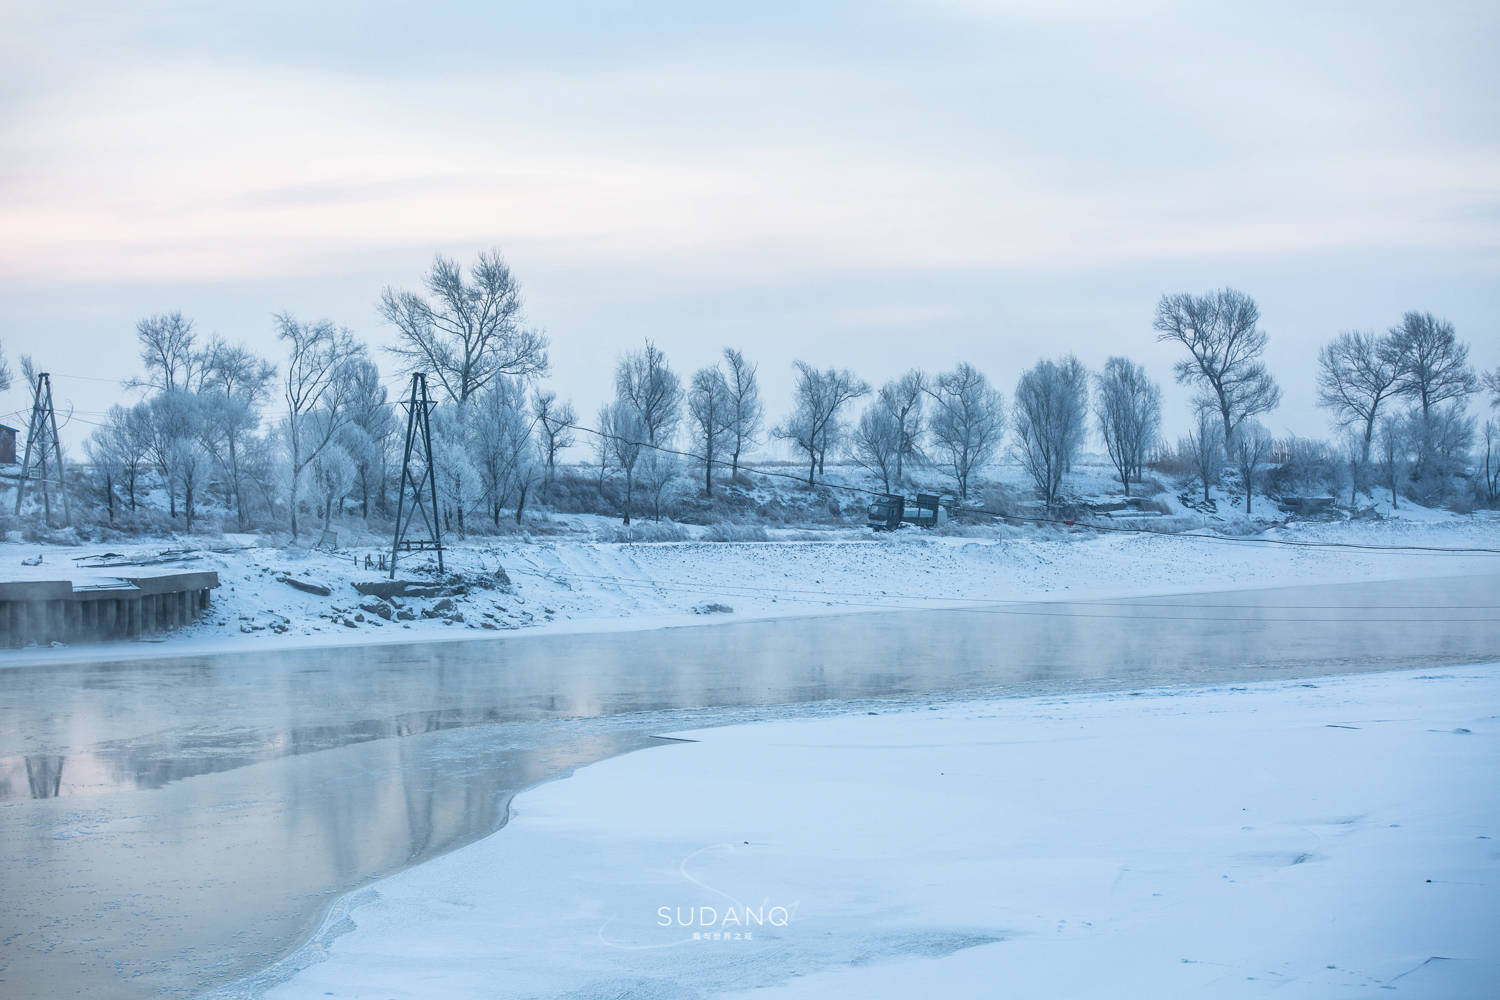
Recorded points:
(299, 439)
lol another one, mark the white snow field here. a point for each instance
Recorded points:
(572, 583)
(1287, 839)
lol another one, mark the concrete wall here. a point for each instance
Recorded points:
(44, 611)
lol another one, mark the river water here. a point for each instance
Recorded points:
(168, 826)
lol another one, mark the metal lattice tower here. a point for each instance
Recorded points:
(43, 460)
(418, 451)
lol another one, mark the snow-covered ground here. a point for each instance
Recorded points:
(574, 582)
(1284, 839)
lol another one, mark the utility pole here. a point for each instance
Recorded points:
(419, 450)
(41, 437)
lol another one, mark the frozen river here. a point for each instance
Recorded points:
(167, 826)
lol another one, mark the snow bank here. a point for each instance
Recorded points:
(573, 584)
(1295, 839)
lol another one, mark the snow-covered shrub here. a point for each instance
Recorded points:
(642, 531)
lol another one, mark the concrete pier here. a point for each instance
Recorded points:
(44, 611)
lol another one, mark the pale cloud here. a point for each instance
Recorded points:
(803, 178)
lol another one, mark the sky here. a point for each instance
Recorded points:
(873, 185)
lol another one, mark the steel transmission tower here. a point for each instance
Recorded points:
(418, 492)
(43, 458)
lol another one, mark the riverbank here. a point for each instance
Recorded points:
(270, 597)
(1297, 838)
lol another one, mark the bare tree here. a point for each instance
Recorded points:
(1128, 405)
(876, 442)
(169, 351)
(554, 422)
(460, 485)
(503, 445)
(745, 406)
(645, 382)
(903, 398)
(1221, 333)
(1491, 474)
(1357, 374)
(624, 435)
(1050, 413)
(968, 419)
(1204, 445)
(119, 449)
(466, 330)
(370, 433)
(318, 390)
(1250, 447)
(1432, 366)
(235, 386)
(4, 372)
(175, 426)
(1395, 444)
(658, 473)
(1491, 385)
(711, 414)
(819, 397)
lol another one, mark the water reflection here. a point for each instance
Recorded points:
(151, 762)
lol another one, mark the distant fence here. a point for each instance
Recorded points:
(47, 611)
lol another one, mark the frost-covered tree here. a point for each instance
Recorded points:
(235, 387)
(1358, 374)
(658, 476)
(1432, 366)
(554, 424)
(1051, 410)
(645, 382)
(1491, 382)
(623, 434)
(813, 426)
(968, 419)
(902, 399)
(710, 414)
(1432, 369)
(875, 443)
(1204, 445)
(1394, 441)
(318, 390)
(175, 422)
(1128, 406)
(1250, 447)
(1490, 476)
(5, 375)
(1221, 333)
(122, 446)
(503, 445)
(460, 485)
(746, 410)
(467, 328)
(169, 351)
(334, 472)
(370, 434)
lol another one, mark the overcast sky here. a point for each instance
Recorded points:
(872, 185)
